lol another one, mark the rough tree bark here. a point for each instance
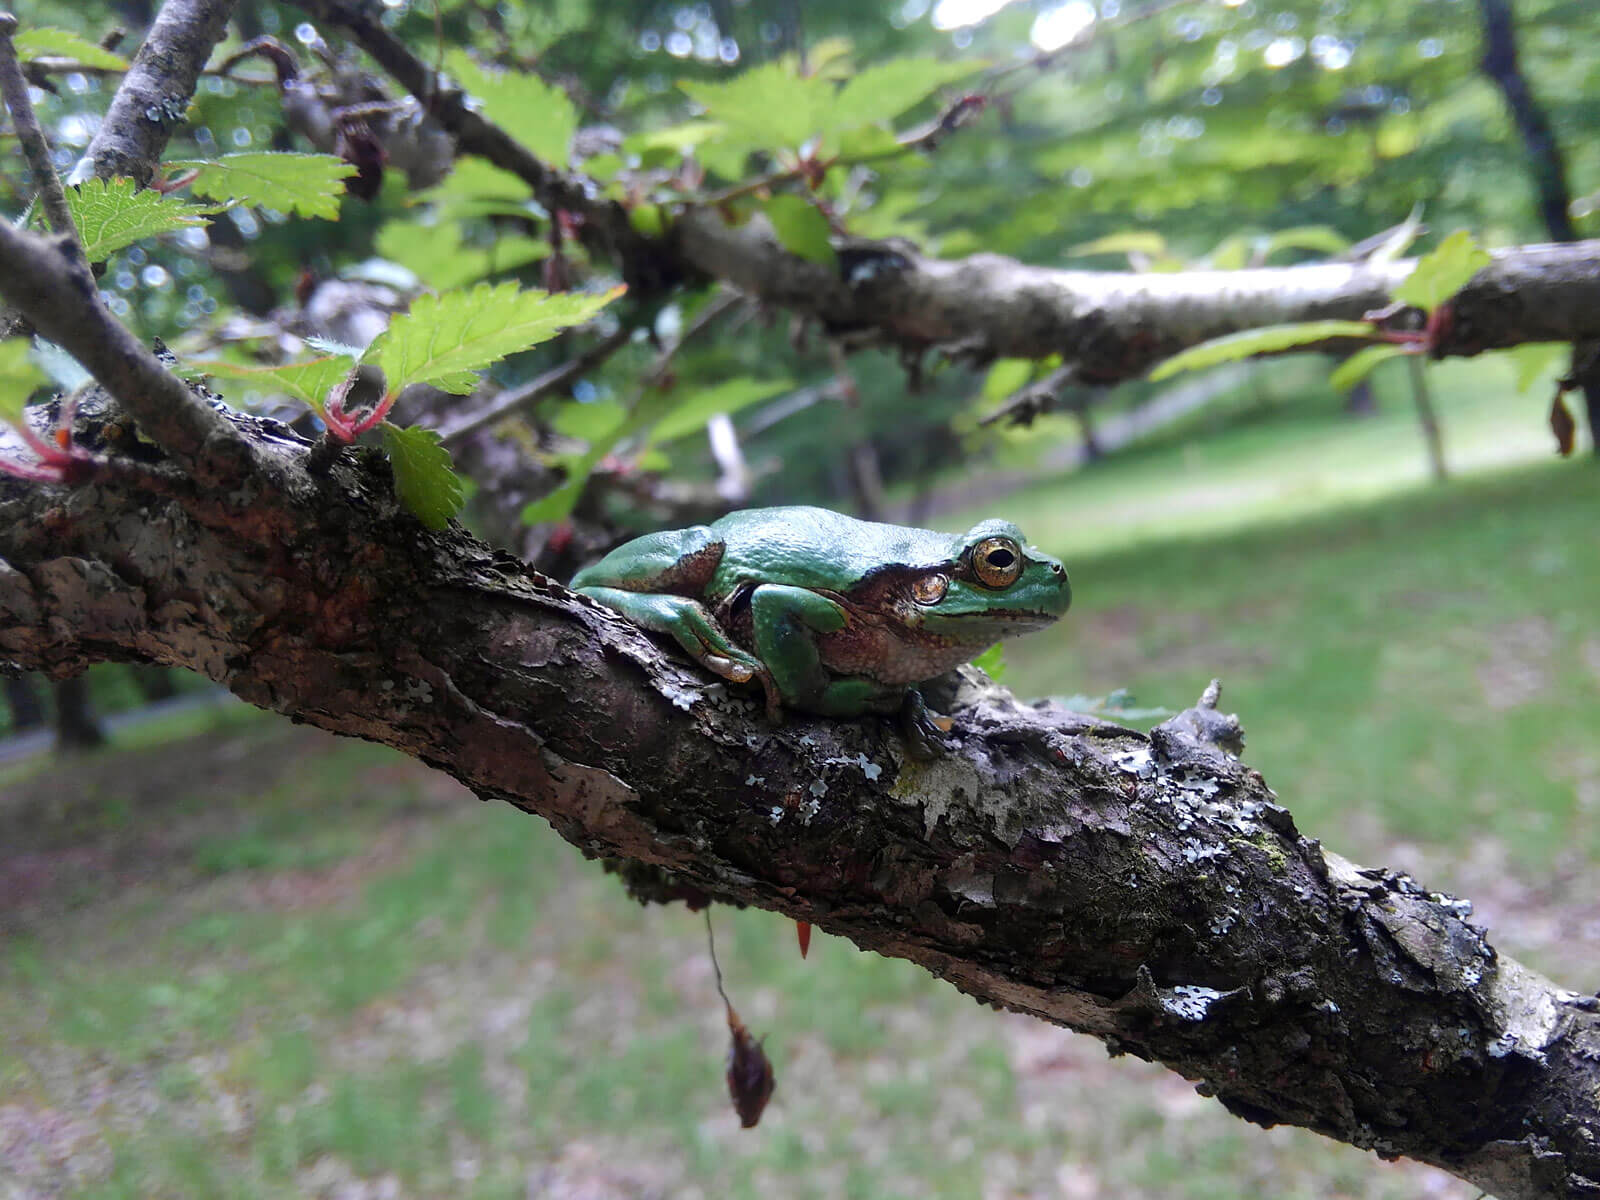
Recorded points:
(1145, 889)
(1148, 890)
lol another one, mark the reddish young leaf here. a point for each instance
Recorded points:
(1563, 426)
(802, 930)
(750, 1077)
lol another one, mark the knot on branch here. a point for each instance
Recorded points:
(1202, 725)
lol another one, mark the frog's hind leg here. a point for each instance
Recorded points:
(693, 627)
(786, 622)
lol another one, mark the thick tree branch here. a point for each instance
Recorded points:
(1112, 326)
(154, 95)
(1146, 890)
(49, 282)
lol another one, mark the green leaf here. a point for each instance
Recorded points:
(423, 478)
(992, 662)
(437, 256)
(557, 504)
(588, 422)
(308, 185)
(1440, 275)
(1133, 241)
(18, 377)
(1533, 359)
(539, 115)
(33, 44)
(801, 227)
(1360, 364)
(1398, 242)
(110, 215)
(1006, 377)
(770, 106)
(884, 90)
(443, 340)
(1231, 254)
(308, 382)
(727, 397)
(1267, 340)
(1317, 238)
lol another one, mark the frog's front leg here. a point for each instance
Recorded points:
(786, 622)
(694, 628)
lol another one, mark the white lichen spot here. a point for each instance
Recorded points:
(1135, 762)
(754, 780)
(775, 813)
(818, 788)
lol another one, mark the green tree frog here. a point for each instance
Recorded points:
(830, 614)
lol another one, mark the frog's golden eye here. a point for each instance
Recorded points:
(997, 562)
(930, 589)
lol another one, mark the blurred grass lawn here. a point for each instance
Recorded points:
(261, 962)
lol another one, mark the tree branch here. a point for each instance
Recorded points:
(1147, 890)
(51, 285)
(1112, 325)
(155, 93)
(14, 90)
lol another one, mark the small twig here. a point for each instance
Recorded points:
(14, 88)
(553, 380)
(708, 316)
(711, 941)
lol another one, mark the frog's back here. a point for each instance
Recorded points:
(815, 547)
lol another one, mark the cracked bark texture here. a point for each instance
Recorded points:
(1147, 890)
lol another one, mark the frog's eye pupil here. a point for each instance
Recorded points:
(997, 562)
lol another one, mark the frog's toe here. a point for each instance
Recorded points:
(924, 731)
(734, 672)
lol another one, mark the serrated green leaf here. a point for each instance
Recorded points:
(769, 106)
(1133, 241)
(727, 397)
(801, 227)
(110, 215)
(539, 115)
(992, 662)
(308, 185)
(1440, 275)
(1360, 364)
(18, 377)
(1268, 339)
(423, 476)
(884, 90)
(308, 382)
(444, 339)
(58, 43)
(1533, 359)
